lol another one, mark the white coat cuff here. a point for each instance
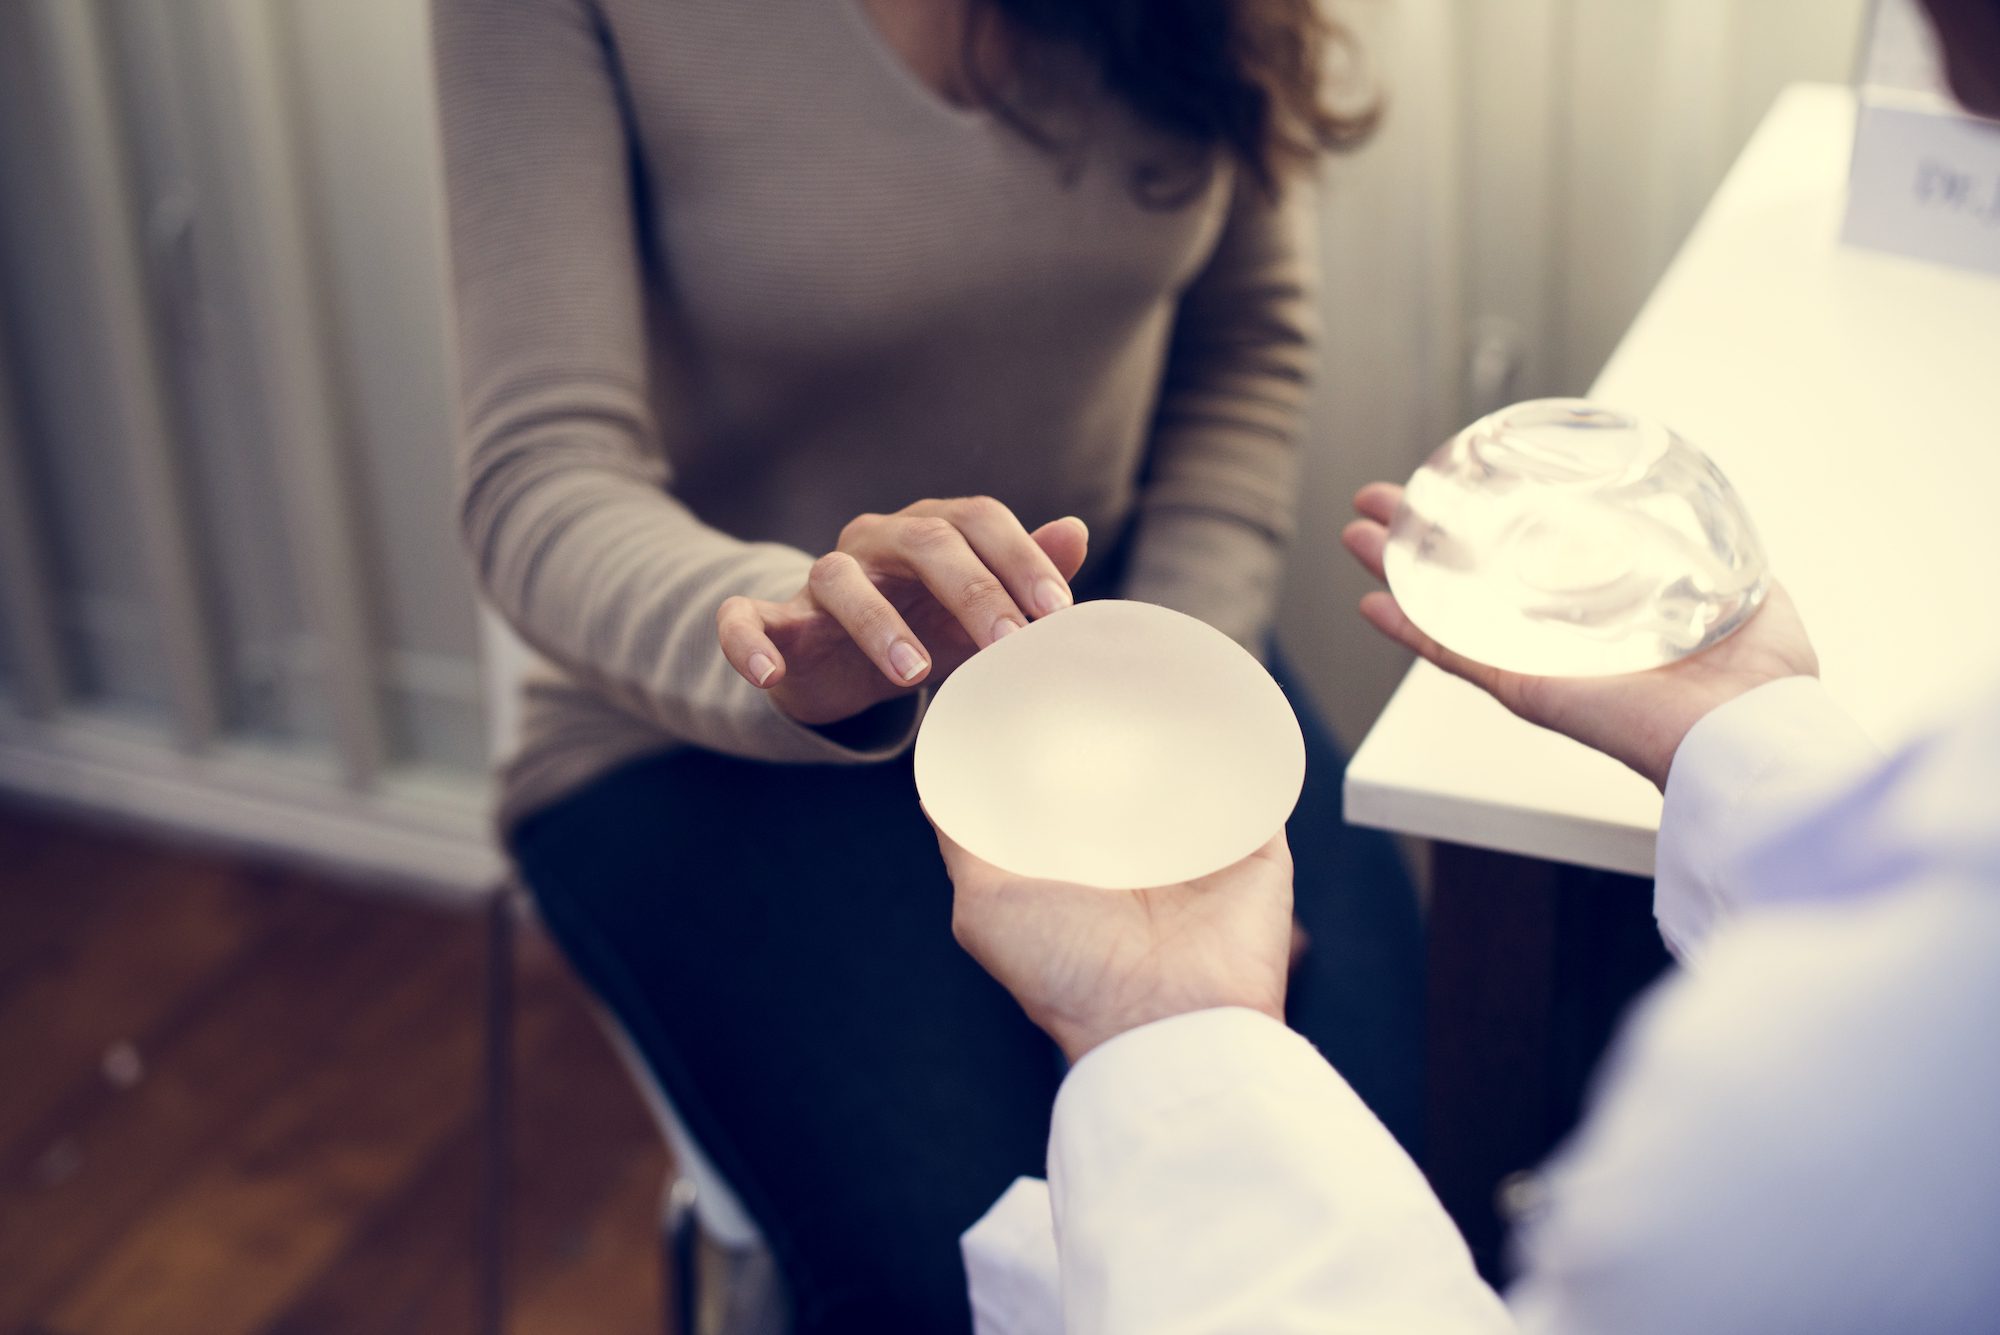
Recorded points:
(1742, 772)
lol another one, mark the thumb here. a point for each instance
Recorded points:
(1066, 542)
(961, 866)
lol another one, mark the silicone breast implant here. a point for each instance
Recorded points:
(1561, 538)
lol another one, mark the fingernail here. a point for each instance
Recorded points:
(761, 667)
(1004, 627)
(1051, 596)
(903, 657)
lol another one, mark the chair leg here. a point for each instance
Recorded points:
(680, 1245)
(495, 1190)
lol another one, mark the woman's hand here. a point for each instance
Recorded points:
(1639, 718)
(1087, 964)
(903, 599)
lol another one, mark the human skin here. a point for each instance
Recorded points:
(900, 601)
(1088, 964)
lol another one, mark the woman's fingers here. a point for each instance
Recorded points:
(841, 587)
(1067, 542)
(996, 537)
(972, 556)
(935, 550)
(739, 625)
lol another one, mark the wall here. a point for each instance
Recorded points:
(1391, 256)
(363, 82)
(222, 274)
(357, 82)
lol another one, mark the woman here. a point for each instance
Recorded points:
(740, 283)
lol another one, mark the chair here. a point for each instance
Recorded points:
(696, 1204)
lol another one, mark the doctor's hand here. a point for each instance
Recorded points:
(1088, 964)
(900, 601)
(1639, 718)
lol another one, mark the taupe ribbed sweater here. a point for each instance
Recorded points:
(728, 274)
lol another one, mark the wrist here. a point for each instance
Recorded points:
(1078, 1037)
(871, 729)
(1655, 757)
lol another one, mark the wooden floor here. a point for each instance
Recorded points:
(238, 1098)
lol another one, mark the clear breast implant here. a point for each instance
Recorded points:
(1562, 538)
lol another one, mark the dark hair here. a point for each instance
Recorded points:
(1243, 76)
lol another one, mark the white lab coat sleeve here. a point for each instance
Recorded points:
(1749, 768)
(1799, 1135)
(1213, 1173)
(1010, 1264)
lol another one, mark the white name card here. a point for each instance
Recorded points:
(1926, 183)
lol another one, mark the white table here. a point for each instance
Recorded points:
(1854, 400)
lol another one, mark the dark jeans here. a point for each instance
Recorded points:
(777, 942)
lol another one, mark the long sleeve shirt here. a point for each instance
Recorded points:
(728, 275)
(1799, 1131)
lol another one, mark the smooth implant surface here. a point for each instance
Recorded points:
(1563, 538)
(1113, 744)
